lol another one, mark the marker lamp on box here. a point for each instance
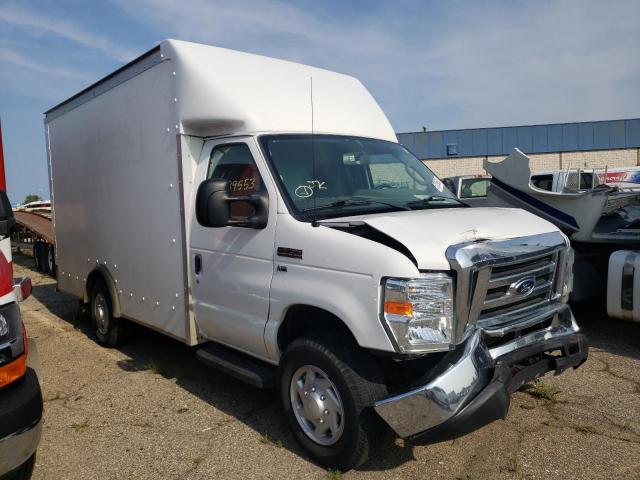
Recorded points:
(419, 312)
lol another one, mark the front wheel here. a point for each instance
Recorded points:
(327, 389)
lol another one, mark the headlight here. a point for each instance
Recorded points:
(567, 285)
(419, 312)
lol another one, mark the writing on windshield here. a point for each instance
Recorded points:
(338, 175)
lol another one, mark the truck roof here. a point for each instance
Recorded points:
(218, 91)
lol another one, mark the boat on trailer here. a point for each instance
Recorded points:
(596, 213)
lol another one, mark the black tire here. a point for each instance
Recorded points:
(42, 257)
(23, 472)
(51, 260)
(359, 385)
(110, 332)
(36, 255)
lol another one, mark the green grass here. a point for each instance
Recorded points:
(334, 474)
(545, 392)
(265, 439)
(80, 426)
(586, 429)
(154, 367)
(513, 466)
(198, 460)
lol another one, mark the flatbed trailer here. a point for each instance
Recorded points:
(34, 232)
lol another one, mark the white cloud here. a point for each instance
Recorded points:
(15, 58)
(450, 65)
(14, 15)
(559, 61)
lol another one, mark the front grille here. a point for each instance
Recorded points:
(504, 286)
(500, 297)
(492, 342)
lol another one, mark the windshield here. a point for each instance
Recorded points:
(326, 176)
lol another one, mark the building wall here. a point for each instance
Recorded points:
(630, 157)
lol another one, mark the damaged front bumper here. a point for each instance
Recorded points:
(475, 388)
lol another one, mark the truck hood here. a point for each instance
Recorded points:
(428, 233)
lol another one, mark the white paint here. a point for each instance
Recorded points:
(617, 262)
(225, 92)
(585, 207)
(428, 233)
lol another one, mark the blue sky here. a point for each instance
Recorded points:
(448, 64)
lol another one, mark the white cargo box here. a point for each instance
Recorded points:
(623, 285)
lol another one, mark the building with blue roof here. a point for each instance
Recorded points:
(608, 143)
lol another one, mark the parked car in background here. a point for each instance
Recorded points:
(471, 189)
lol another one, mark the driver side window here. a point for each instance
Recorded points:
(235, 164)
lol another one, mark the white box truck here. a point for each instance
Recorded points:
(264, 210)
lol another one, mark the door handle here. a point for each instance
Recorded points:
(197, 263)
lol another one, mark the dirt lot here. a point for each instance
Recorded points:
(150, 410)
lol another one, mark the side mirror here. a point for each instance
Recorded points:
(6, 226)
(7, 221)
(213, 206)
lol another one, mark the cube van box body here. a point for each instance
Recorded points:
(263, 210)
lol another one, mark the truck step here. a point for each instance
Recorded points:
(237, 364)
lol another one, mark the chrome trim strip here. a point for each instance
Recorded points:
(504, 280)
(521, 323)
(563, 324)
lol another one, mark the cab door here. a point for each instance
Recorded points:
(231, 267)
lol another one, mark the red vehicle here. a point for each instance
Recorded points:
(20, 394)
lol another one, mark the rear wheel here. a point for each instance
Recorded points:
(42, 257)
(327, 388)
(36, 255)
(110, 331)
(51, 260)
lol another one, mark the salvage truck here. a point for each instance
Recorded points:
(263, 211)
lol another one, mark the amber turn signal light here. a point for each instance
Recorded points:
(13, 371)
(398, 308)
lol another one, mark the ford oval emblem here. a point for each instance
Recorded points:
(523, 287)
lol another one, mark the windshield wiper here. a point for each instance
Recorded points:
(431, 198)
(352, 203)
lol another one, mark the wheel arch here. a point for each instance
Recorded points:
(301, 319)
(102, 273)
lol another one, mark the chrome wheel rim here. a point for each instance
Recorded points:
(317, 405)
(101, 313)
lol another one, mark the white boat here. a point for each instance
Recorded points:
(599, 213)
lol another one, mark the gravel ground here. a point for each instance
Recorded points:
(150, 410)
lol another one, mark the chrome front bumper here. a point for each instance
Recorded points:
(475, 388)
